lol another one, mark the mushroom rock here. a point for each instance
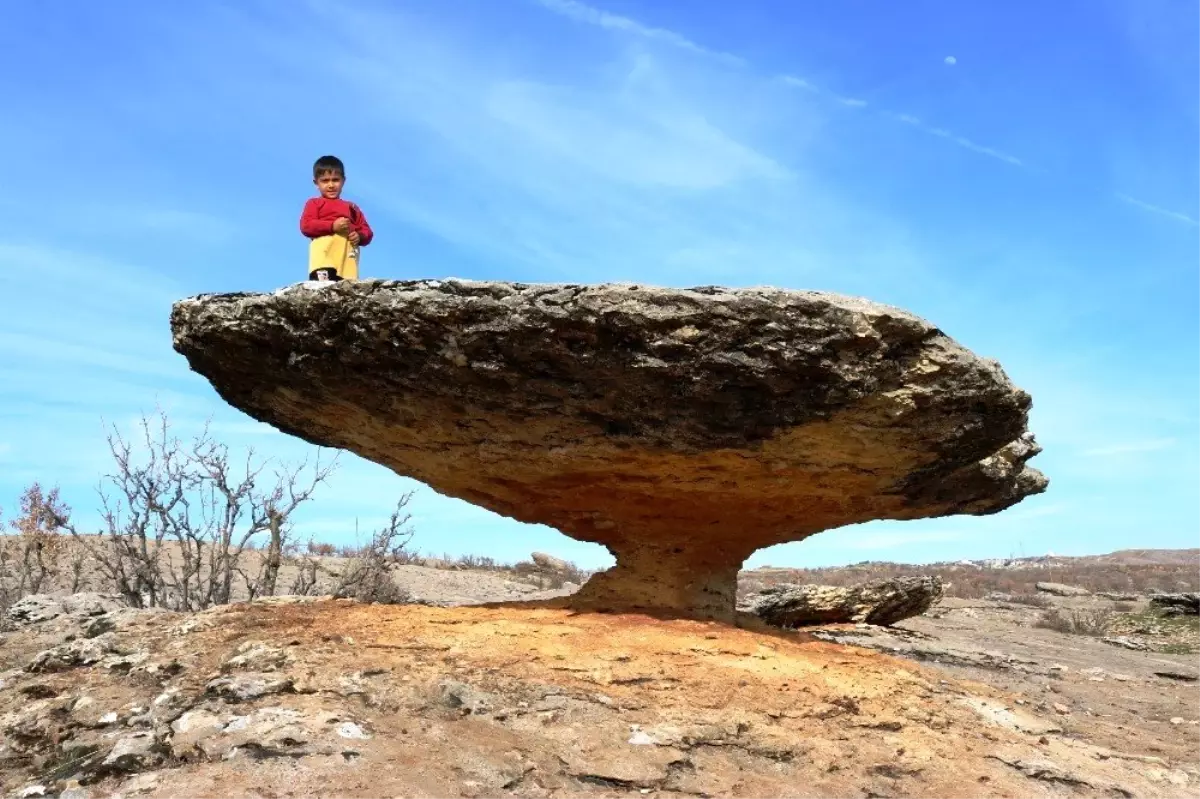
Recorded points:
(681, 429)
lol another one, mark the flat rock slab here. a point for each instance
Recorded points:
(882, 602)
(682, 429)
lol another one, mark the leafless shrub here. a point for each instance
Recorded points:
(368, 576)
(478, 562)
(1033, 600)
(305, 583)
(524, 570)
(1076, 622)
(179, 516)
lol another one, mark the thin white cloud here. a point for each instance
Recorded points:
(594, 16)
(603, 19)
(1155, 209)
(642, 146)
(800, 83)
(1131, 448)
(961, 141)
(809, 86)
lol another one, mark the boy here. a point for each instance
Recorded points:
(337, 227)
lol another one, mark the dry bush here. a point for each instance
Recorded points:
(478, 563)
(321, 548)
(306, 580)
(368, 576)
(187, 525)
(179, 516)
(550, 578)
(1076, 622)
(524, 570)
(1033, 600)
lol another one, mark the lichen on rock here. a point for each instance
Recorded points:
(882, 602)
(681, 429)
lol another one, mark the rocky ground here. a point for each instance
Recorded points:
(292, 696)
(1098, 690)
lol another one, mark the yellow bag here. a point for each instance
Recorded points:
(332, 258)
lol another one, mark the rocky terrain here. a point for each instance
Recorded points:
(538, 700)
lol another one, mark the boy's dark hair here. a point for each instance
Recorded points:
(328, 163)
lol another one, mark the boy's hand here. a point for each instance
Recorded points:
(354, 237)
(341, 225)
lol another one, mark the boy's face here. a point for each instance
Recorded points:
(330, 184)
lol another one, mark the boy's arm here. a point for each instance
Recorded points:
(365, 234)
(310, 225)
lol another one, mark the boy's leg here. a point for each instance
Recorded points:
(349, 269)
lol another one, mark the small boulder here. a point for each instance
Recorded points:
(549, 562)
(882, 602)
(132, 753)
(246, 687)
(256, 656)
(1187, 603)
(462, 697)
(1062, 589)
(80, 652)
(190, 732)
(39, 608)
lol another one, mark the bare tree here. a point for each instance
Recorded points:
(178, 516)
(368, 576)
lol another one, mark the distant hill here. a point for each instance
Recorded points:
(1127, 570)
(1149, 556)
(1121, 557)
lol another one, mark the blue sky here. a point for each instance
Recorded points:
(1022, 174)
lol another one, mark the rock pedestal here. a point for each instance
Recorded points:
(682, 429)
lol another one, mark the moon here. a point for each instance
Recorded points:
(950, 60)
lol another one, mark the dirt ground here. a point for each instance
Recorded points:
(1112, 696)
(306, 698)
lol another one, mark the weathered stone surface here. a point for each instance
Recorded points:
(549, 562)
(39, 608)
(882, 602)
(1185, 603)
(1062, 589)
(682, 429)
(69, 655)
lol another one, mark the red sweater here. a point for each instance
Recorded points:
(319, 215)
